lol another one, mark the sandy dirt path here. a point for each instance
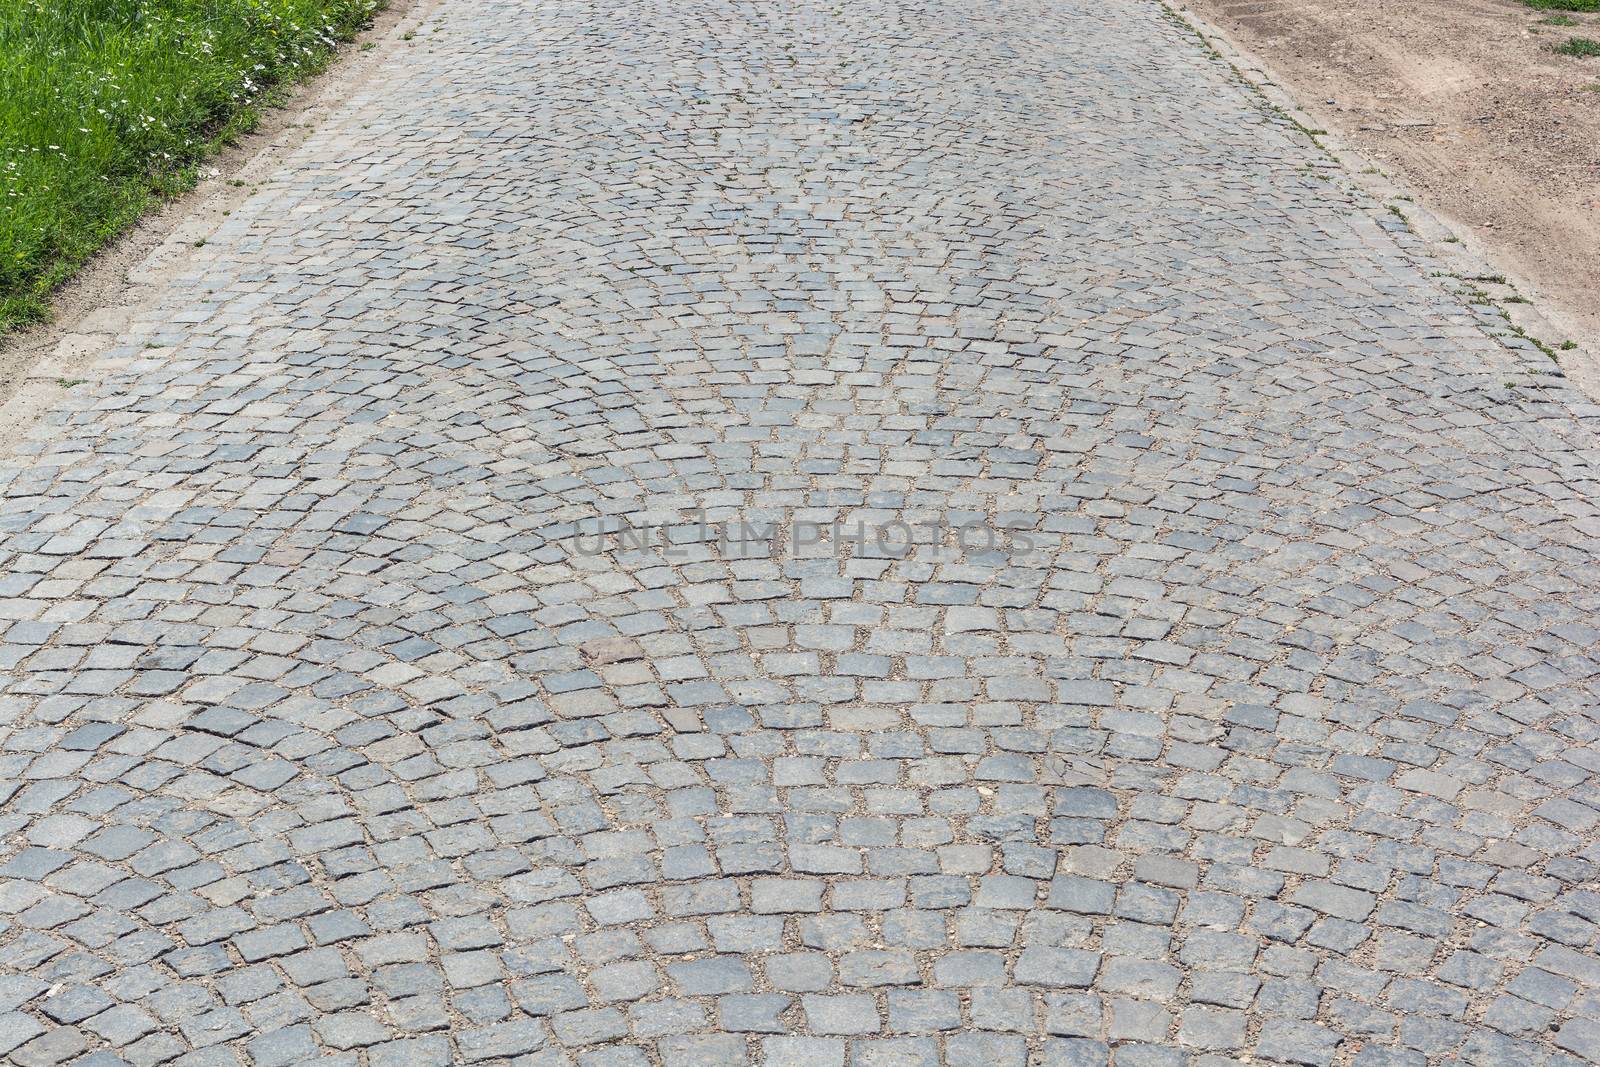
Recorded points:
(1467, 104)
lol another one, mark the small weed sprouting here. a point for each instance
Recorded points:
(1549, 352)
(1558, 20)
(1582, 47)
(1567, 346)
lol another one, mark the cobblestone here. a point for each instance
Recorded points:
(882, 534)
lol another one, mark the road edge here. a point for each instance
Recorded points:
(1529, 314)
(39, 364)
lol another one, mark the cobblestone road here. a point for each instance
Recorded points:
(1254, 721)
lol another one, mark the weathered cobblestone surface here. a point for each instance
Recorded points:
(324, 737)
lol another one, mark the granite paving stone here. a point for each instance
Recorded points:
(713, 532)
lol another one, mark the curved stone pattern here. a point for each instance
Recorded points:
(1266, 735)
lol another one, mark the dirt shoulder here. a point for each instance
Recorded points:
(1466, 106)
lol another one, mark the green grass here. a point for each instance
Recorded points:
(106, 105)
(1564, 5)
(1558, 20)
(1582, 47)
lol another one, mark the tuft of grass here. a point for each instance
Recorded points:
(108, 105)
(1559, 20)
(1563, 5)
(1582, 47)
